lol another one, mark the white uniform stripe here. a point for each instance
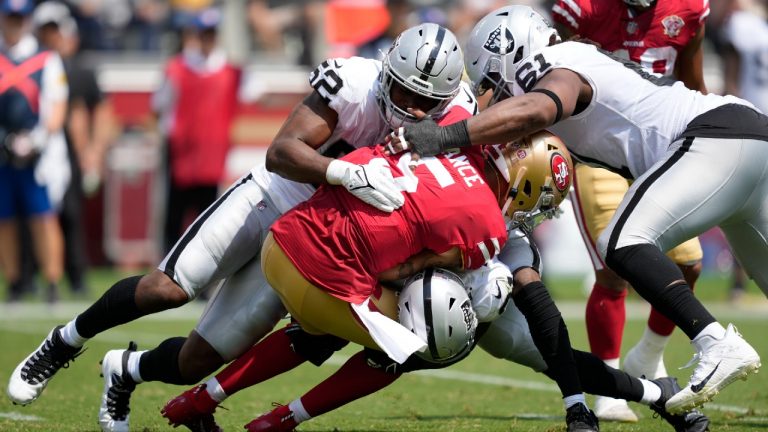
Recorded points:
(496, 248)
(574, 7)
(484, 250)
(565, 14)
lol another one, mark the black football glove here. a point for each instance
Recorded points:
(426, 138)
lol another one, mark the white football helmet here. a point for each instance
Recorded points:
(426, 60)
(436, 307)
(498, 44)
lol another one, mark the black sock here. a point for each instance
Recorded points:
(550, 335)
(117, 306)
(659, 280)
(598, 378)
(162, 363)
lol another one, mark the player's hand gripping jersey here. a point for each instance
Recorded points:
(652, 38)
(340, 244)
(350, 86)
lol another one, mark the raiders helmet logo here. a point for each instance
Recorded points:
(560, 172)
(672, 25)
(498, 45)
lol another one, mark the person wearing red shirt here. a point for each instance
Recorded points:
(329, 252)
(664, 37)
(198, 78)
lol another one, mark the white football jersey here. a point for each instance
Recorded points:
(748, 33)
(633, 117)
(350, 87)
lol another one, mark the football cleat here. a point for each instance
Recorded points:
(640, 362)
(691, 421)
(118, 385)
(280, 419)
(579, 418)
(194, 409)
(721, 362)
(610, 409)
(32, 375)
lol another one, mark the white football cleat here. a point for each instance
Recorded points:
(610, 409)
(642, 362)
(118, 386)
(721, 362)
(32, 375)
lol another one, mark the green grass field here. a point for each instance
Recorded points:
(479, 394)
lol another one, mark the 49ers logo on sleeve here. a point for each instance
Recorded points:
(672, 25)
(560, 172)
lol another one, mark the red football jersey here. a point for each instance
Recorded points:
(652, 38)
(341, 244)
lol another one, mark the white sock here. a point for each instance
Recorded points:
(614, 363)
(652, 341)
(572, 400)
(70, 336)
(299, 413)
(134, 359)
(214, 389)
(715, 331)
(651, 392)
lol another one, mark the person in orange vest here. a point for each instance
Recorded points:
(34, 171)
(196, 104)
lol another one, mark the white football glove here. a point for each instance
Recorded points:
(373, 183)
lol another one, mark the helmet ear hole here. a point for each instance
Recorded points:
(528, 188)
(518, 54)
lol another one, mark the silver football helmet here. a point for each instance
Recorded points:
(498, 44)
(640, 3)
(425, 59)
(436, 307)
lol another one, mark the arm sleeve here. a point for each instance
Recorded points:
(55, 86)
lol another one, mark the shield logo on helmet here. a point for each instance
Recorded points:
(499, 44)
(560, 172)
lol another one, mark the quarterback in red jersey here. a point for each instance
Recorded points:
(664, 37)
(332, 250)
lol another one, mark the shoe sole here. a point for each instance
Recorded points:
(708, 394)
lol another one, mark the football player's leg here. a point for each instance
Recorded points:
(646, 357)
(595, 197)
(666, 206)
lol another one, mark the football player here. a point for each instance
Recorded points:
(354, 103)
(612, 113)
(664, 37)
(544, 165)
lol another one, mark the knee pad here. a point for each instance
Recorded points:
(315, 348)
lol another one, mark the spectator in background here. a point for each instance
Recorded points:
(87, 131)
(102, 22)
(34, 173)
(744, 47)
(196, 104)
(745, 52)
(400, 18)
(149, 19)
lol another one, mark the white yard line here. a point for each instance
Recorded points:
(19, 417)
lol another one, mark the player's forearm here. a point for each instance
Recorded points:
(450, 259)
(58, 113)
(297, 161)
(508, 120)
